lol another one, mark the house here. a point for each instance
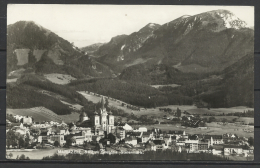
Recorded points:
(150, 146)
(43, 137)
(192, 145)
(134, 134)
(203, 145)
(193, 137)
(160, 144)
(167, 139)
(227, 137)
(141, 129)
(96, 138)
(59, 138)
(125, 126)
(121, 132)
(113, 138)
(27, 120)
(145, 137)
(80, 137)
(230, 149)
(217, 149)
(214, 139)
(131, 140)
(181, 142)
(179, 133)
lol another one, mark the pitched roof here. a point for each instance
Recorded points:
(134, 133)
(213, 136)
(158, 142)
(232, 146)
(130, 138)
(43, 134)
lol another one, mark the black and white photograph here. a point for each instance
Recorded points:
(94, 83)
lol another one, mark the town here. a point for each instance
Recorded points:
(101, 134)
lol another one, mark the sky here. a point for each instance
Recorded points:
(88, 24)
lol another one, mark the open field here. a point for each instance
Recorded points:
(61, 79)
(246, 120)
(22, 56)
(213, 129)
(158, 86)
(70, 117)
(11, 80)
(42, 114)
(38, 113)
(192, 109)
(218, 110)
(17, 73)
(73, 106)
(38, 54)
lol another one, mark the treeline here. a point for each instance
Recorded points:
(52, 87)
(160, 74)
(237, 86)
(148, 155)
(137, 94)
(24, 96)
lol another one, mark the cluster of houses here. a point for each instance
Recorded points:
(100, 129)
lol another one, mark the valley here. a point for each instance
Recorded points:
(194, 75)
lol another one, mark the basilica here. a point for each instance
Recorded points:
(102, 121)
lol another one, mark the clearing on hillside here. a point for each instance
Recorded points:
(39, 114)
(61, 79)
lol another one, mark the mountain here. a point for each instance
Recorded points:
(37, 49)
(237, 86)
(120, 46)
(206, 42)
(91, 48)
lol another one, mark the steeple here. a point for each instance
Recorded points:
(102, 103)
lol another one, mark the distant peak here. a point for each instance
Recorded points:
(152, 25)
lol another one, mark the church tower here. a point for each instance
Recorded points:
(111, 121)
(103, 115)
(96, 119)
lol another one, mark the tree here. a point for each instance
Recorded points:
(178, 112)
(211, 119)
(43, 144)
(31, 58)
(86, 145)
(21, 142)
(224, 120)
(111, 137)
(11, 138)
(27, 140)
(10, 155)
(251, 141)
(56, 143)
(22, 157)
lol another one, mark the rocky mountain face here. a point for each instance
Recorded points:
(121, 46)
(34, 48)
(205, 42)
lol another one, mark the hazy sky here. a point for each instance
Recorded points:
(88, 24)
